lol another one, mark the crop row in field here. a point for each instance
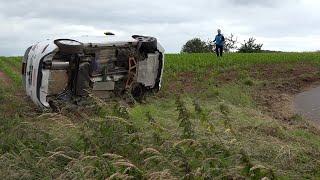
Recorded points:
(200, 62)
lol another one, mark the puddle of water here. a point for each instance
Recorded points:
(308, 104)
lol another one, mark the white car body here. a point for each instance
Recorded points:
(36, 76)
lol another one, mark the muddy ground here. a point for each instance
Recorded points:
(280, 84)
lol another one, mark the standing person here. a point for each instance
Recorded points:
(219, 40)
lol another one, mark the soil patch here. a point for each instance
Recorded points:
(228, 76)
(5, 78)
(281, 83)
(282, 70)
(184, 82)
(273, 90)
(276, 86)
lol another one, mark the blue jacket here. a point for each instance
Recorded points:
(219, 40)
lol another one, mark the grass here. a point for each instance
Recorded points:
(201, 62)
(214, 131)
(9, 66)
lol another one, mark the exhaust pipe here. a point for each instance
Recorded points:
(56, 65)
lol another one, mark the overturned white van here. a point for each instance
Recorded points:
(66, 68)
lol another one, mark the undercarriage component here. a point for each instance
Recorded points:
(132, 73)
(146, 44)
(56, 65)
(148, 70)
(60, 65)
(82, 84)
(66, 69)
(69, 46)
(58, 82)
(104, 86)
(137, 91)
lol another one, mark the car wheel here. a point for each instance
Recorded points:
(137, 91)
(147, 44)
(69, 46)
(24, 66)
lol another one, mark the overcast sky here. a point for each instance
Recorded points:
(288, 25)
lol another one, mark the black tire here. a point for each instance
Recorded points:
(146, 44)
(69, 46)
(24, 66)
(137, 91)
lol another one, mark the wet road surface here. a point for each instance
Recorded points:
(307, 104)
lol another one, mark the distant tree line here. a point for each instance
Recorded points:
(196, 45)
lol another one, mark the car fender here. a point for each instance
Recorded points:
(162, 51)
(36, 77)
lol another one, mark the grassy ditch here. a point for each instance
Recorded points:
(213, 119)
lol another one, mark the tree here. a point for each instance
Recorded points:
(196, 45)
(230, 43)
(250, 46)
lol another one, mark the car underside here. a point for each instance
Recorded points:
(76, 69)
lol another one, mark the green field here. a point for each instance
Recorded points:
(213, 119)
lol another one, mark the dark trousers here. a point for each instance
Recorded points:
(219, 50)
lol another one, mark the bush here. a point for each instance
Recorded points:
(196, 45)
(250, 46)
